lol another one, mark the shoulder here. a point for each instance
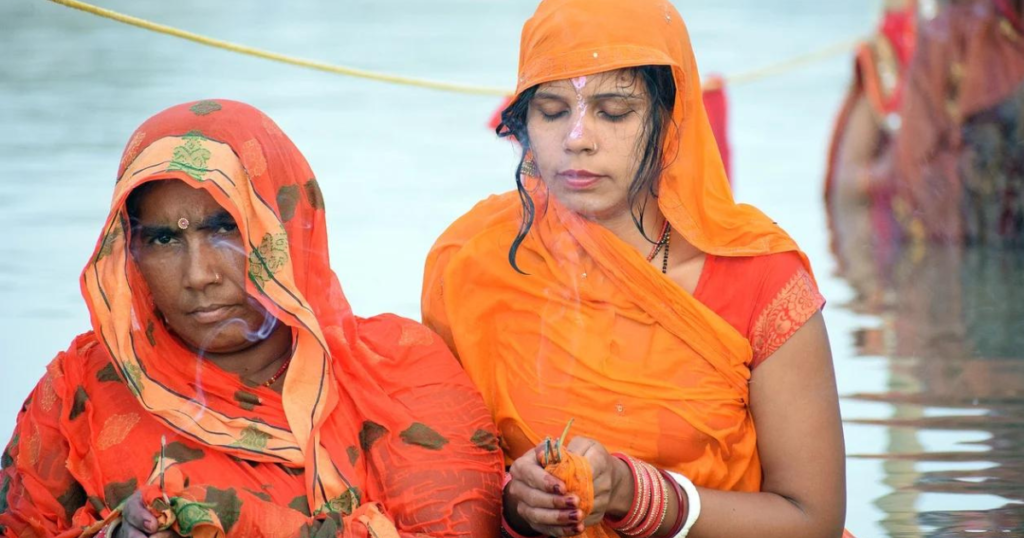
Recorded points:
(483, 233)
(501, 212)
(59, 391)
(766, 298)
(86, 360)
(408, 351)
(86, 353)
(755, 273)
(738, 288)
(788, 297)
(392, 329)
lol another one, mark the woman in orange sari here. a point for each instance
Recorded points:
(226, 388)
(621, 286)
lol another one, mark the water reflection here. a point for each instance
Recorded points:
(952, 331)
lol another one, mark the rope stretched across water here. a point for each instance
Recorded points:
(747, 77)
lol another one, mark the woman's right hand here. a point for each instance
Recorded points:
(537, 502)
(138, 522)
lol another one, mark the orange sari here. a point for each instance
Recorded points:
(378, 432)
(594, 332)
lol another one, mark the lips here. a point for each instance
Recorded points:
(579, 179)
(213, 313)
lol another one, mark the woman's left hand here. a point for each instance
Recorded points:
(613, 481)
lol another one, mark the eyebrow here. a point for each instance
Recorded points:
(216, 220)
(598, 97)
(147, 232)
(212, 222)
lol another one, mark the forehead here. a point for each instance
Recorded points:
(173, 199)
(616, 81)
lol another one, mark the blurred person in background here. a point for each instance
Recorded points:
(958, 164)
(857, 190)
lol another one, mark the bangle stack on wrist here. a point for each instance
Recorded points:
(651, 502)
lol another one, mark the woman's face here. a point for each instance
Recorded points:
(190, 253)
(584, 133)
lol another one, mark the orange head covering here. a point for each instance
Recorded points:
(572, 38)
(595, 332)
(351, 410)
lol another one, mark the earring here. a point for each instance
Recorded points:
(529, 167)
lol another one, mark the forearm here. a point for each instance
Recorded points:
(764, 515)
(737, 514)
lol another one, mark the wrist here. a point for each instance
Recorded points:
(623, 490)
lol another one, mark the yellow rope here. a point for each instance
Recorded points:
(259, 53)
(795, 63)
(740, 78)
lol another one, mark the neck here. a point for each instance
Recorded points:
(625, 228)
(260, 361)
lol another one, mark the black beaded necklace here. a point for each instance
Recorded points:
(668, 240)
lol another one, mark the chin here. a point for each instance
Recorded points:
(587, 204)
(224, 340)
(225, 344)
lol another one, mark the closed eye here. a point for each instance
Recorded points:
(555, 116)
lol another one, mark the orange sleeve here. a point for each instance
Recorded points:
(432, 305)
(39, 497)
(788, 298)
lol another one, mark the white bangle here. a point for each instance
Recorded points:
(111, 528)
(692, 502)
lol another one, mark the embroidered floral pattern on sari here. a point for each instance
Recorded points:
(253, 159)
(108, 242)
(795, 303)
(203, 108)
(191, 156)
(268, 258)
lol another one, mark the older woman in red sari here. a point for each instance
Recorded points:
(226, 388)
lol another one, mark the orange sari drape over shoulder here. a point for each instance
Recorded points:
(594, 332)
(378, 431)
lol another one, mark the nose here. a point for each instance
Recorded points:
(201, 265)
(580, 137)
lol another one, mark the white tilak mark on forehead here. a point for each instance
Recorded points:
(581, 106)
